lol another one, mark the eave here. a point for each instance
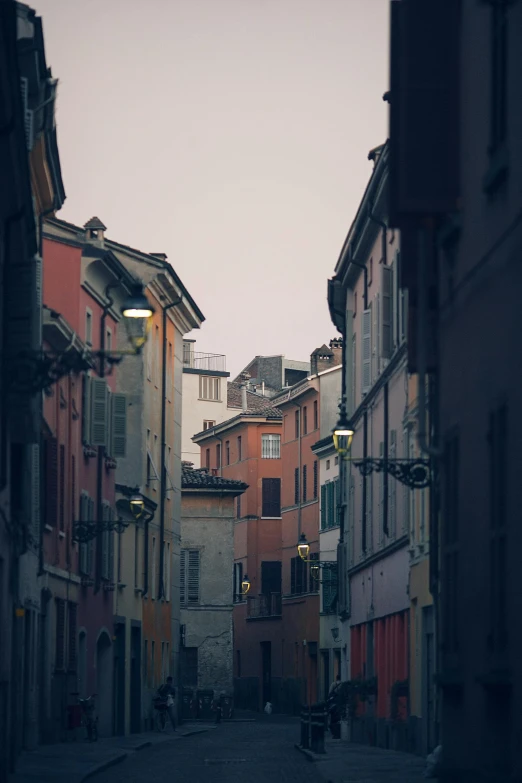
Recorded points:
(215, 491)
(230, 424)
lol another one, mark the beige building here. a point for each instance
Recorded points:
(208, 516)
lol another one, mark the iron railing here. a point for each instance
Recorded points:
(265, 605)
(210, 362)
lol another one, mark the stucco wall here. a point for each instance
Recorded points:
(196, 411)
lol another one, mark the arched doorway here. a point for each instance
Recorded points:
(104, 683)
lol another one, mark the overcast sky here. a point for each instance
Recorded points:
(231, 135)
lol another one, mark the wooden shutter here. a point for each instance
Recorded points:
(35, 491)
(293, 577)
(323, 507)
(305, 482)
(72, 646)
(366, 350)
(381, 497)
(376, 337)
(393, 485)
(86, 410)
(105, 543)
(271, 500)
(387, 312)
(331, 504)
(52, 482)
(316, 478)
(193, 577)
(118, 425)
(59, 663)
(98, 412)
(84, 515)
(296, 486)
(90, 544)
(182, 576)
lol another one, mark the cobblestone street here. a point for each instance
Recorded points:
(255, 752)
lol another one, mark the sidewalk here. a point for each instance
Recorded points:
(74, 762)
(346, 762)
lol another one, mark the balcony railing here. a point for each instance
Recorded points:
(265, 606)
(210, 362)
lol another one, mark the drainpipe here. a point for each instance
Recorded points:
(299, 460)
(385, 472)
(165, 309)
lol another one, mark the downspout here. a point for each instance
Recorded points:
(385, 455)
(165, 309)
(299, 460)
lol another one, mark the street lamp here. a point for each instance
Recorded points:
(343, 433)
(137, 505)
(303, 548)
(245, 585)
(137, 312)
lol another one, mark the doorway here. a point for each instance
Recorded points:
(104, 684)
(266, 668)
(135, 681)
(325, 656)
(118, 680)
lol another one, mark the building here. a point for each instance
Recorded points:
(368, 306)
(205, 396)
(208, 517)
(300, 515)
(459, 213)
(332, 645)
(247, 448)
(31, 186)
(269, 374)
(84, 286)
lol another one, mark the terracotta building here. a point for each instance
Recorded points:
(247, 448)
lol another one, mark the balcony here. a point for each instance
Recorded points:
(209, 362)
(264, 606)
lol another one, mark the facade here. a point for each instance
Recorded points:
(333, 647)
(460, 221)
(31, 186)
(83, 286)
(208, 516)
(269, 374)
(369, 307)
(247, 448)
(300, 514)
(205, 395)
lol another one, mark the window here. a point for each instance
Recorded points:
(207, 459)
(209, 388)
(166, 569)
(366, 379)
(189, 576)
(271, 501)
(238, 578)
(329, 590)
(296, 486)
(62, 488)
(218, 455)
(316, 479)
(239, 453)
(305, 420)
(386, 346)
(336, 461)
(271, 446)
(170, 371)
(298, 576)
(208, 424)
(156, 357)
(88, 327)
(305, 477)
(327, 464)
(189, 667)
(297, 424)
(227, 452)
(354, 372)
(72, 653)
(329, 500)
(316, 415)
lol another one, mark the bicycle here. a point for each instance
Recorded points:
(89, 719)
(160, 719)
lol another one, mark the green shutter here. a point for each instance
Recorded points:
(119, 425)
(323, 507)
(98, 412)
(86, 410)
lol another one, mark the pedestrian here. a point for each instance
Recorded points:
(335, 684)
(168, 693)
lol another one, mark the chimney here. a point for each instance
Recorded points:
(321, 359)
(161, 256)
(94, 232)
(336, 346)
(245, 377)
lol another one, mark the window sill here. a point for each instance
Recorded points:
(271, 517)
(48, 528)
(497, 171)
(204, 399)
(61, 534)
(328, 528)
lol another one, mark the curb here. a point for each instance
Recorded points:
(104, 765)
(195, 731)
(310, 755)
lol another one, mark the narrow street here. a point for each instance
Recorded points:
(256, 752)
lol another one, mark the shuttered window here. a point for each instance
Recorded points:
(316, 416)
(323, 507)
(381, 498)
(107, 544)
(271, 497)
(99, 398)
(72, 652)
(118, 425)
(366, 350)
(316, 479)
(329, 590)
(305, 482)
(392, 488)
(84, 515)
(298, 576)
(296, 486)
(189, 576)
(59, 662)
(86, 410)
(386, 347)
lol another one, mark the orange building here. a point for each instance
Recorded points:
(247, 447)
(300, 514)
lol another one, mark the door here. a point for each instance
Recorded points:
(266, 678)
(135, 681)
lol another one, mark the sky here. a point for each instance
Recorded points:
(232, 135)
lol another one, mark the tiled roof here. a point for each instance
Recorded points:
(202, 479)
(95, 222)
(257, 405)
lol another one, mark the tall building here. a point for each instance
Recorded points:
(458, 208)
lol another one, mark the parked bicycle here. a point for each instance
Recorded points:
(89, 717)
(161, 711)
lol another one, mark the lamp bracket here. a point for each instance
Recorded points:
(413, 473)
(88, 530)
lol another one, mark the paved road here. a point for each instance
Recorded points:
(255, 752)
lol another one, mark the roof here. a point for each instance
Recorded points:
(202, 479)
(257, 405)
(96, 223)
(324, 350)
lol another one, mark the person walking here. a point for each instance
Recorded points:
(167, 692)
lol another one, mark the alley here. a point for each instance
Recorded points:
(257, 752)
